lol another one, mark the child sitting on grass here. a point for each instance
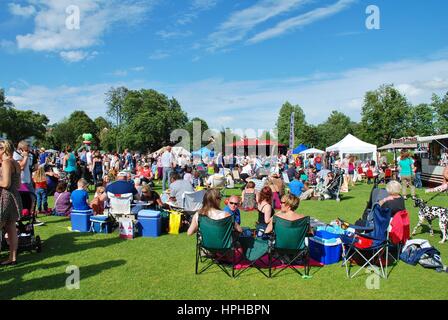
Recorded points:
(98, 204)
(80, 197)
(62, 204)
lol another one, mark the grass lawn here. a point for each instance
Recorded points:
(163, 268)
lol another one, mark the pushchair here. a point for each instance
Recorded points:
(333, 188)
(28, 241)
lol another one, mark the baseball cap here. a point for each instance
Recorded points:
(122, 174)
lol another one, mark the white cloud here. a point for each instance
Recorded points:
(73, 56)
(196, 7)
(173, 34)
(124, 72)
(159, 55)
(204, 4)
(301, 20)
(254, 104)
(96, 18)
(138, 69)
(18, 10)
(240, 23)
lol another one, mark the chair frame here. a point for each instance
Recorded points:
(284, 253)
(206, 254)
(378, 252)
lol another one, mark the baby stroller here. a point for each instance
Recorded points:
(332, 189)
(28, 241)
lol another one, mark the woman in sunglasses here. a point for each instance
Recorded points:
(210, 208)
(290, 203)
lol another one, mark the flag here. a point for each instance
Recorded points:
(291, 132)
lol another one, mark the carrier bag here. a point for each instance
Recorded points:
(127, 228)
(175, 223)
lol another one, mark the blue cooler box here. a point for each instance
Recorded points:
(81, 220)
(100, 224)
(149, 223)
(325, 247)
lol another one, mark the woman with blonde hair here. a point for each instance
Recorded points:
(10, 201)
(210, 208)
(290, 204)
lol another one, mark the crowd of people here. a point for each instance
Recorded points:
(270, 183)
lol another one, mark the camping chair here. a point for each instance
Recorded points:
(369, 248)
(215, 244)
(236, 175)
(120, 205)
(191, 203)
(288, 244)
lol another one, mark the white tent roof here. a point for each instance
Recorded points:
(352, 145)
(312, 151)
(177, 151)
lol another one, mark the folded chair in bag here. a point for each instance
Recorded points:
(370, 249)
(288, 245)
(215, 244)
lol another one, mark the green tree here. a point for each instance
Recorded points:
(102, 124)
(26, 124)
(283, 123)
(200, 123)
(115, 100)
(334, 129)
(69, 131)
(312, 137)
(386, 114)
(149, 118)
(422, 120)
(440, 105)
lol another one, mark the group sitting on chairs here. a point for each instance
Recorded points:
(222, 241)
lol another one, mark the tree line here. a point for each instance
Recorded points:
(386, 114)
(144, 119)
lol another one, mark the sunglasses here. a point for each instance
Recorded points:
(234, 203)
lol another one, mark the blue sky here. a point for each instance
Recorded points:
(232, 63)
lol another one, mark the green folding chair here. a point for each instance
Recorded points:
(215, 244)
(288, 245)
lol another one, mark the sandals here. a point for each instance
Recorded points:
(8, 263)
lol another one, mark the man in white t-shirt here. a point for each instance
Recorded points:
(167, 164)
(22, 156)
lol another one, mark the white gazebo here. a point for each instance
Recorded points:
(312, 151)
(352, 145)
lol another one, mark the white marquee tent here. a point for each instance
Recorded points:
(352, 145)
(312, 151)
(176, 151)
